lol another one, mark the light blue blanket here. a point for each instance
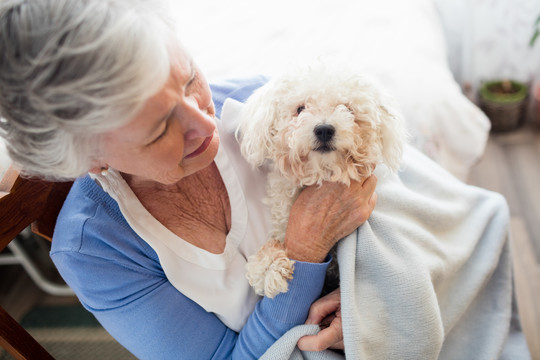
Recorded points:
(429, 276)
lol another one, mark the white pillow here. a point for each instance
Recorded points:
(401, 42)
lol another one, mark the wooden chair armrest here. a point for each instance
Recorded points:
(15, 339)
(15, 211)
(8, 181)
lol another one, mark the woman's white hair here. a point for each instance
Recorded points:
(72, 69)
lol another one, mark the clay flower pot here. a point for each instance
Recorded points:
(504, 102)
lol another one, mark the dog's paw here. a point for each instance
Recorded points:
(269, 270)
(277, 276)
(255, 273)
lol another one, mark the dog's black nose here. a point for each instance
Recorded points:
(324, 132)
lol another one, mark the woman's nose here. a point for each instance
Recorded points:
(200, 122)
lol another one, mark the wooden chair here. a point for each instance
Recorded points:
(26, 202)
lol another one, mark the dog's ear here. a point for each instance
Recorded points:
(374, 104)
(256, 126)
(393, 134)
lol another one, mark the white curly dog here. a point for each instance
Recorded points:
(312, 125)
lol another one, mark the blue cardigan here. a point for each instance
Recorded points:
(118, 277)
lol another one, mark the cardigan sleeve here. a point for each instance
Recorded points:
(237, 89)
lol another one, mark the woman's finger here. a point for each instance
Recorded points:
(323, 307)
(330, 337)
(373, 200)
(370, 183)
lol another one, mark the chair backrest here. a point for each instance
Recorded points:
(26, 202)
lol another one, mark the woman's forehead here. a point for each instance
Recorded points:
(158, 106)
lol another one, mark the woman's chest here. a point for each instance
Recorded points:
(202, 219)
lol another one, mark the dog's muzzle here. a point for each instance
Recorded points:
(324, 134)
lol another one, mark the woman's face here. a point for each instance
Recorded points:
(173, 136)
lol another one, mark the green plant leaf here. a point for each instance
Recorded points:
(536, 32)
(534, 37)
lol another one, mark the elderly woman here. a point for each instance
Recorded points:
(154, 240)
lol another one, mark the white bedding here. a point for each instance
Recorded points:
(401, 42)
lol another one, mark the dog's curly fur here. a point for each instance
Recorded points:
(313, 124)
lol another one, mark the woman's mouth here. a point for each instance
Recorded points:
(201, 148)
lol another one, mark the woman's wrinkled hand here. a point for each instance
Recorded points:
(322, 215)
(327, 313)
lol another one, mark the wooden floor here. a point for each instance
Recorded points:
(511, 166)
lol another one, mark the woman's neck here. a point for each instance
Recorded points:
(196, 208)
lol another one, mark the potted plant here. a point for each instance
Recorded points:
(504, 103)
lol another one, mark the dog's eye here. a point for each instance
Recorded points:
(300, 109)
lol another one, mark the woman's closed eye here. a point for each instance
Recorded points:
(193, 79)
(189, 85)
(164, 132)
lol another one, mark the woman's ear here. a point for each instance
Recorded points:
(95, 170)
(103, 170)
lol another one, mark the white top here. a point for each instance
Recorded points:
(220, 286)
